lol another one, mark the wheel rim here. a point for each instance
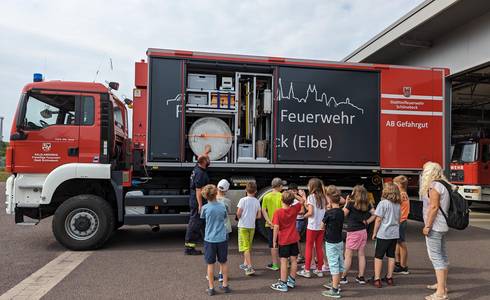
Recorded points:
(81, 224)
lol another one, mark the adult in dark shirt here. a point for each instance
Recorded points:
(199, 178)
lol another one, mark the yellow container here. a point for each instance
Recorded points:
(223, 102)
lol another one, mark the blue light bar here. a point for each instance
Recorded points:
(37, 77)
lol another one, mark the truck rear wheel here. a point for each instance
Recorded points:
(83, 222)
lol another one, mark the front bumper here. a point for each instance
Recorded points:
(9, 195)
(470, 192)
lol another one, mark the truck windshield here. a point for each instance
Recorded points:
(464, 152)
(43, 110)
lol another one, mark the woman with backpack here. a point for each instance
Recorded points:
(435, 197)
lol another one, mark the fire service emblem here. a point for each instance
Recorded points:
(407, 91)
(46, 147)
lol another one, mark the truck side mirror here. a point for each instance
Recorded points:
(114, 85)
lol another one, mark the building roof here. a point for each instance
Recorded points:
(417, 29)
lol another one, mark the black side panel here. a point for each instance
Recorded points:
(165, 117)
(327, 116)
(106, 129)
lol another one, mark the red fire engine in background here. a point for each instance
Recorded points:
(70, 154)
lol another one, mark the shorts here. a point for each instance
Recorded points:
(287, 251)
(245, 238)
(215, 250)
(436, 248)
(403, 231)
(383, 247)
(335, 257)
(270, 237)
(356, 239)
(300, 224)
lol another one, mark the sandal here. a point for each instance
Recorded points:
(436, 297)
(434, 287)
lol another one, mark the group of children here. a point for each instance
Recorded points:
(285, 214)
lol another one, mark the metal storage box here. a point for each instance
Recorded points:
(245, 150)
(197, 99)
(201, 81)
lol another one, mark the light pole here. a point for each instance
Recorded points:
(1, 129)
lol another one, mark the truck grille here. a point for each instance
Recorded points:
(457, 175)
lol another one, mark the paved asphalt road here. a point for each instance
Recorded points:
(139, 264)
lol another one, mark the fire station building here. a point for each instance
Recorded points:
(444, 33)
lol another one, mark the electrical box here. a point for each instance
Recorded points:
(226, 83)
(201, 81)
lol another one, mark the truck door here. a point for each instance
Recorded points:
(484, 169)
(50, 136)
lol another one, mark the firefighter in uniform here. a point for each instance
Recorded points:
(199, 178)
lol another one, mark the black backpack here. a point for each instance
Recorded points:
(458, 216)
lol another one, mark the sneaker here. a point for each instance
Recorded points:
(318, 273)
(325, 268)
(249, 271)
(211, 292)
(331, 293)
(377, 283)
(304, 273)
(343, 280)
(404, 271)
(280, 286)
(301, 259)
(220, 277)
(225, 289)
(192, 251)
(291, 283)
(242, 266)
(273, 267)
(328, 286)
(360, 280)
(398, 269)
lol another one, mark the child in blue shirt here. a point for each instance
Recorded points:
(215, 237)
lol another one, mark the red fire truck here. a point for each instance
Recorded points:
(70, 155)
(469, 167)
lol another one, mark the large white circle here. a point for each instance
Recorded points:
(212, 131)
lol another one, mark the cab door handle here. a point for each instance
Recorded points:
(73, 151)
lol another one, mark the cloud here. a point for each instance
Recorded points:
(70, 40)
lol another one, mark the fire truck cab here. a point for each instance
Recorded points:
(68, 140)
(470, 169)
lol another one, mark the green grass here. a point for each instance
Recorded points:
(3, 175)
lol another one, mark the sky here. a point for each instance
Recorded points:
(77, 40)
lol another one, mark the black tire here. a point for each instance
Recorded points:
(260, 223)
(78, 212)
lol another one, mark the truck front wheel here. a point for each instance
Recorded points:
(83, 222)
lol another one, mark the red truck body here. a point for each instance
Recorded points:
(70, 154)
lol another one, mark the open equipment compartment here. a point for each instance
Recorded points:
(229, 107)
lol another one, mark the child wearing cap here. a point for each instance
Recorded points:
(223, 187)
(248, 211)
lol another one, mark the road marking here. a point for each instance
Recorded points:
(43, 280)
